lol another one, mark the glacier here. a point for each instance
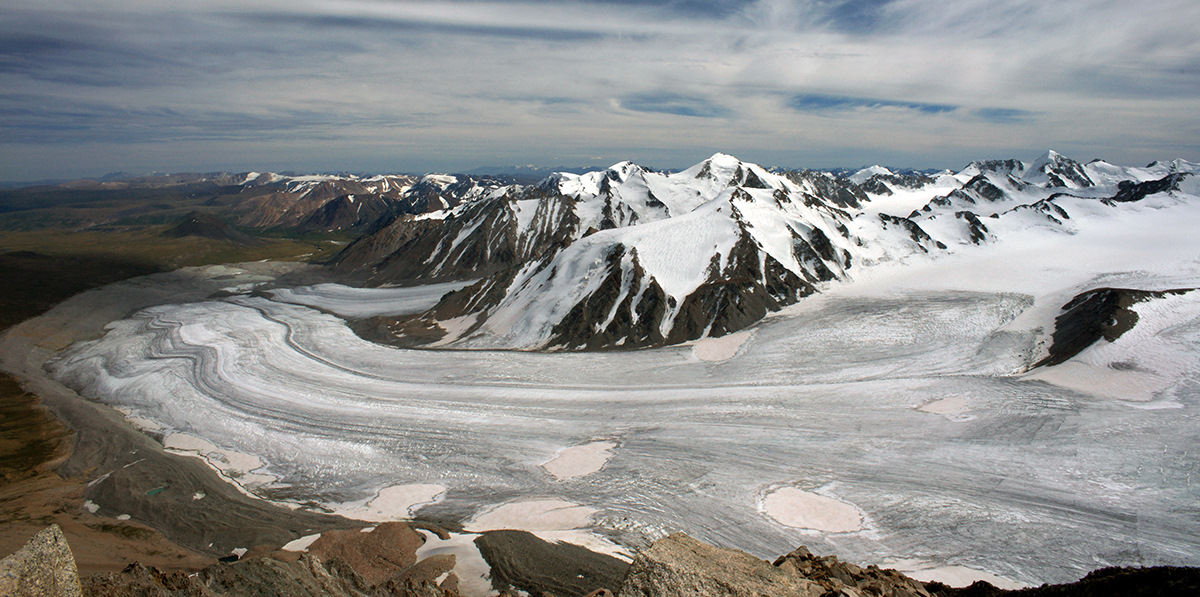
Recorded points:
(903, 394)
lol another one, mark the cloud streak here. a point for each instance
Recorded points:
(810, 102)
(449, 85)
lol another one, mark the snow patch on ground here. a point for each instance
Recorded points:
(533, 515)
(472, 570)
(580, 461)
(796, 508)
(302, 543)
(455, 328)
(397, 502)
(954, 576)
(720, 349)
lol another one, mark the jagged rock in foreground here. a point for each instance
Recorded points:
(45, 567)
(680, 565)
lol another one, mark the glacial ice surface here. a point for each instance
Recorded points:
(905, 405)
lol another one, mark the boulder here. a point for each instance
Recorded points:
(44, 567)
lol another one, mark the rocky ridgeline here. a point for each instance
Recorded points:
(384, 563)
(680, 565)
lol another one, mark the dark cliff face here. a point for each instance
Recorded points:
(838, 191)
(1060, 171)
(478, 240)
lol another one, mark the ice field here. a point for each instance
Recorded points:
(889, 419)
(901, 408)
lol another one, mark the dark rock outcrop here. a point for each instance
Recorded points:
(838, 191)
(976, 231)
(1095, 314)
(382, 563)
(1129, 191)
(1106, 582)
(521, 561)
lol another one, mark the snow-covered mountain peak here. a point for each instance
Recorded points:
(975, 168)
(627, 256)
(1056, 170)
(862, 175)
(622, 170)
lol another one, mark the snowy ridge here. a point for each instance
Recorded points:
(630, 257)
(333, 202)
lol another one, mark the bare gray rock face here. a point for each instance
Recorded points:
(45, 567)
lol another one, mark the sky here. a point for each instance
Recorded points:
(89, 87)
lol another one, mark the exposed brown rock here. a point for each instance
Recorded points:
(376, 556)
(849, 578)
(681, 565)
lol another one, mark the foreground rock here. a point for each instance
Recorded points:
(43, 568)
(1123, 582)
(381, 563)
(680, 565)
(521, 561)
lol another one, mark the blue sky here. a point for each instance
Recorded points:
(88, 87)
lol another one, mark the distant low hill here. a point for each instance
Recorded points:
(209, 226)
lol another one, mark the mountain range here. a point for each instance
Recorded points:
(628, 257)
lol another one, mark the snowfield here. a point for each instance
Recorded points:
(891, 417)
